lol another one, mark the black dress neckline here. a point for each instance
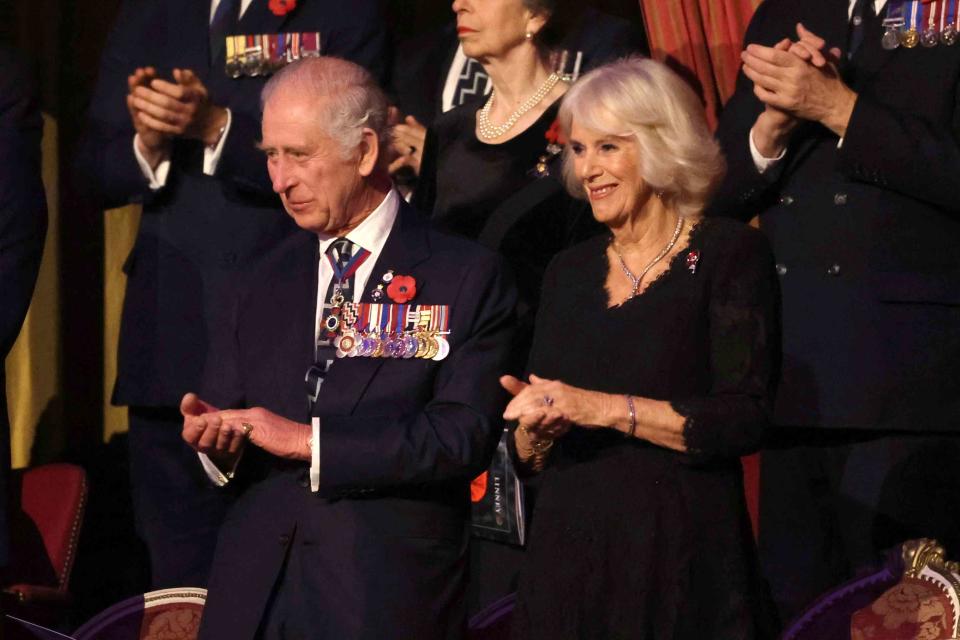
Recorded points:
(693, 243)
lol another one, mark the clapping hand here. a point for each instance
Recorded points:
(409, 137)
(205, 432)
(161, 110)
(798, 79)
(221, 435)
(536, 413)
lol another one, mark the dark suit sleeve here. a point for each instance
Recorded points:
(23, 209)
(455, 434)
(105, 163)
(744, 192)
(902, 152)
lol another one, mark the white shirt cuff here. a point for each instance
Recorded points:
(763, 163)
(213, 472)
(211, 156)
(157, 177)
(315, 455)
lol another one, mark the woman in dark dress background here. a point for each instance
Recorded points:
(497, 182)
(654, 359)
(489, 180)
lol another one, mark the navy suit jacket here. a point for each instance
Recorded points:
(866, 235)
(197, 231)
(384, 541)
(23, 226)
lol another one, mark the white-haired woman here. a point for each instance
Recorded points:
(655, 354)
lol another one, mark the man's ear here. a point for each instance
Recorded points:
(369, 152)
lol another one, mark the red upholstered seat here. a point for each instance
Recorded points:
(170, 614)
(913, 609)
(924, 605)
(913, 597)
(46, 506)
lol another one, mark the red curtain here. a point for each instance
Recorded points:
(701, 39)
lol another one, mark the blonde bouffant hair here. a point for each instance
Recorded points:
(643, 99)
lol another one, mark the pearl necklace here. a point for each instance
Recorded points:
(490, 131)
(636, 280)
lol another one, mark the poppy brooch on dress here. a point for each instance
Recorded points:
(693, 258)
(555, 142)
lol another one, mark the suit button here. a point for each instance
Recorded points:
(840, 199)
(786, 200)
(284, 540)
(304, 482)
(781, 269)
(833, 270)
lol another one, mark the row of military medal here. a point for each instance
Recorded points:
(421, 344)
(265, 53)
(921, 22)
(388, 330)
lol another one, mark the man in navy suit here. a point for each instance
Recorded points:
(23, 227)
(171, 128)
(849, 152)
(353, 522)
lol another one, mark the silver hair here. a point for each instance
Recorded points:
(348, 98)
(642, 98)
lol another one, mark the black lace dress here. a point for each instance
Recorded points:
(630, 540)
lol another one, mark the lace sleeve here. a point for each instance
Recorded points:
(744, 354)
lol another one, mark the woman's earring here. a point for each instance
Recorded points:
(528, 35)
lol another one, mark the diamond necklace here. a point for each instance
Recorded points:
(636, 280)
(490, 131)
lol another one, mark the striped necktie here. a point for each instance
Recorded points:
(345, 258)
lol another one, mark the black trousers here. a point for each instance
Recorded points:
(833, 501)
(178, 511)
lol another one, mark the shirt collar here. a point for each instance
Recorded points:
(371, 234)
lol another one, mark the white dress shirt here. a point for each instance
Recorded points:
(211, 155)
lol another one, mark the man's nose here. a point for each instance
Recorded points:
(281, 176)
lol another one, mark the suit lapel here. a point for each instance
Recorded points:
(305, 306)
(188, 22)
(287, 315)
(406, 247)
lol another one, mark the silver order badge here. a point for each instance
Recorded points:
(949, 35)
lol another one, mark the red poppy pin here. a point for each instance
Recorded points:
(692, 259)
(402, 289)
(554, 134)
(282, 7)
